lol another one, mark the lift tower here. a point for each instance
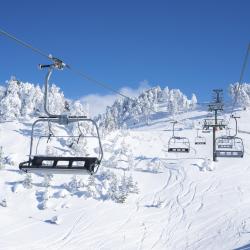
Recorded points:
(215, 106)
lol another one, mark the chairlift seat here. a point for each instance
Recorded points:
(178, 150)
(229, 146)
(229, 153)
(200, 143)
(56, 163)
(206, 131)
(225, 146)
(178, 144)
(200, 140)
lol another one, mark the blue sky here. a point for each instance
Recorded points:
(192, 45)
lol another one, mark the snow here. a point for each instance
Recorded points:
(183, 201)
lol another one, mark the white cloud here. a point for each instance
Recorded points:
(97, 103)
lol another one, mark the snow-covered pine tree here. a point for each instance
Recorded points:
(56, 100)
(73, 185)
(47, 179)
(123, 190)
(10, 105)
(22, 99)
(113, 188)
(193, 102)
(91, 186)
(27, 182)
(134, 109)
(240, 93)
(31, 97)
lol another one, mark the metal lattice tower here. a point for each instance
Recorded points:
(215, 106)
(217, 101)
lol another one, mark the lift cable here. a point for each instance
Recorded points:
(241, 77)
(27, 45)
(76, 72)
(238, 87)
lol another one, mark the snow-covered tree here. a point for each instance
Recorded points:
(31, 97)
(91, 186)
(47, 179)
(132, 185)
(22, 99)
(113, 188)
(56, 100)
(123, 190)
(78, 109)
(10, 105)
(142, 107)
(27, 182)
(74, 185)
(240, 94)
(193, 103)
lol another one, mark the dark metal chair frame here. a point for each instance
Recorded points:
(64, 163)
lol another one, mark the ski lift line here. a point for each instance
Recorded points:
(76, 72)
(93, 80)
(24, 44)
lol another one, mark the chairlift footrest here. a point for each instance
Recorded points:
(60, 163)
(178, 150)
(229, 154)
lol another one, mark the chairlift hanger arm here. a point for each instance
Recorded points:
(236, 124)
(57, 64)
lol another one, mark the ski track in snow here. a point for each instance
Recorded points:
(178, 207)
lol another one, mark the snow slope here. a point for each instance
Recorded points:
(184, 201)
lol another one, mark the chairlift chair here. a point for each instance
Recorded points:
(229, 146)
(199, 140)
(178, 144)
(66, 163)
(206, 131)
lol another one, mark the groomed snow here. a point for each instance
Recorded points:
(184, 202)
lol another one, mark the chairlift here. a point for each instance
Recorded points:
(64, 163)
(229, 146)
(206, 131)
(205, 128)
(178, 144)
(199, 140)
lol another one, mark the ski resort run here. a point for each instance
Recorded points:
(142, 197)
(108, 161)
